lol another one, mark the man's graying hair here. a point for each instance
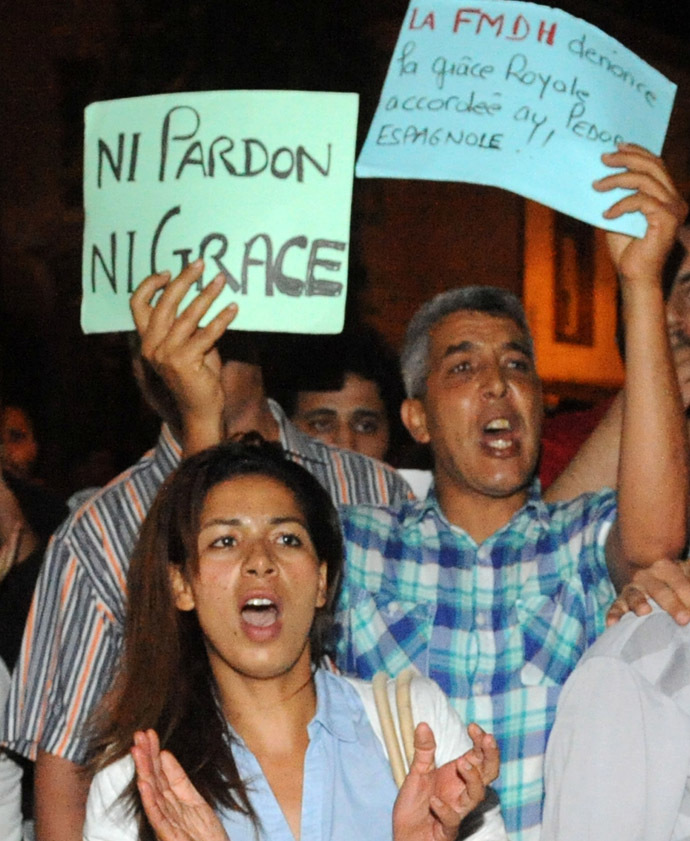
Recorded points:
(414, 358)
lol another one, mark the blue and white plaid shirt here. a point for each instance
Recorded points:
(499, 626)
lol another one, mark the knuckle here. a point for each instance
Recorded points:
(147, 350)
(159, 358)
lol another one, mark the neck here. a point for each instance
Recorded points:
(478, 514)
(246, 407)
(270, 714)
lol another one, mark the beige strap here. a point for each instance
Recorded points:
(403, 703)
(390, 737)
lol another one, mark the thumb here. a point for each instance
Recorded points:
(423, 760)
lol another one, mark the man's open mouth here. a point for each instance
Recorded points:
(498, 434)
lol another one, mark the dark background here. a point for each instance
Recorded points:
(408, 238)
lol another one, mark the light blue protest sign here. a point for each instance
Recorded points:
(514, 95)
(257, 183)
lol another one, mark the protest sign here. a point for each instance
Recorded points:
(258, 183)
(514, 95)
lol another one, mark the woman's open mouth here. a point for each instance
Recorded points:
(260, 612)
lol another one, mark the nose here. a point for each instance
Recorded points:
(494, 383)
(258, 561)
(344, 437)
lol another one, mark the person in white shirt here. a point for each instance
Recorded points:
(618, 760)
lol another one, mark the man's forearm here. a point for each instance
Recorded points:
(653, 465)
(200, 433)
(60, 791)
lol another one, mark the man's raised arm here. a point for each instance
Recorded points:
(214, 399)
(653, 463)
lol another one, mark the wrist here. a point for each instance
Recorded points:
(200, 432)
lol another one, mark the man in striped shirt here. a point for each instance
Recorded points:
(74, 631)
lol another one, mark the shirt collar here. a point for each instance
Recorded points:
(535, 501)
(334, 711)
(296, 443)
(533, 507)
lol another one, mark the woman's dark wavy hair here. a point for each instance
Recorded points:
(164, 679)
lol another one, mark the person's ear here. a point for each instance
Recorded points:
(182, 591)
(413, 416)
(322, 589)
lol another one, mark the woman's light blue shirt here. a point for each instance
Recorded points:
(348, 786)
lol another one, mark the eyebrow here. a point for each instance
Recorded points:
(238, 521)
(318, 410)
(521, 347)
(461, 347)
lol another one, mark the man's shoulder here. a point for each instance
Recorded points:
(351, 478)
(650, 644)
(122, 503)
(383, 519)
(582, 510)
(363, 464)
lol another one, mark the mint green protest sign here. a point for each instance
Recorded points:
(257, 183)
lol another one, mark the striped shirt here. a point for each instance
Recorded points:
(499, 626)
(74, 630)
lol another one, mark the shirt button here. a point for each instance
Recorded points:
(481, 619)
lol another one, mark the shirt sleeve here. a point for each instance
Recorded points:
(430, 704)
(64, 667)
(107, 817)
(599, 514)
(585, 527)
(613, 768)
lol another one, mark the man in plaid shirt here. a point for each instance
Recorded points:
(483, 586)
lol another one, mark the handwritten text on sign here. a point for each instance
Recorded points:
(514, 95)
(257, 183)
